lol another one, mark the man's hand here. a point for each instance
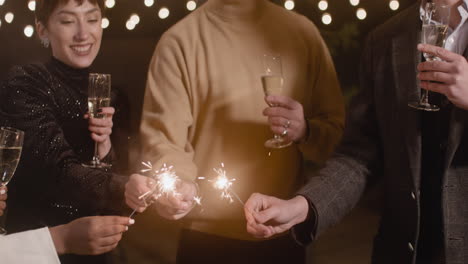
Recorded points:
(448, 76)
(92, 235)
(286, 117)
(268, 216)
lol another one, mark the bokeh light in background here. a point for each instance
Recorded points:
(289, 5)
(326, 19)
(394, 5)
(110, 3)
(163, 13)
(105, 22)
(323, 5)
(354, 2)
(28, 31)
(9, 17)
(191, 5)
(361, 13)
(149, 3)
(32, 5)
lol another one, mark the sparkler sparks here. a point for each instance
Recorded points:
(224, 184)
(166, 182)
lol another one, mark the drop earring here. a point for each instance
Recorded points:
(45, 42)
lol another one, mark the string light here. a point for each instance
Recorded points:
(0, 23)
(394, 5)
(28, 31)
(163, 13)
(32, 5)
(130, 25)
(326, 19)
(361, 13)
(9, 17)
(110, 3)
(135, 19)
(191, 5)
(2, 2)
(323, 5)
(354, 2)
(149, 3)
(105, 22)
(289, 5)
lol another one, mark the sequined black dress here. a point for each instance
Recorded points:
(50, 187)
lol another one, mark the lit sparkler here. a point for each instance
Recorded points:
(166, 184)
(224, 184)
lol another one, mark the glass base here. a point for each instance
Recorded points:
(277, 143)
(424, 106)
(96, 165)
(2, 231)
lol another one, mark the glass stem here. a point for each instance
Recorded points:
(425, 97)
(96, 159)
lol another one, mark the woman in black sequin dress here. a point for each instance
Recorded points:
(49, 102)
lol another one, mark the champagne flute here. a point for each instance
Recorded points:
(11, 144)
(435, 23)
(272, 82)
(98, 97)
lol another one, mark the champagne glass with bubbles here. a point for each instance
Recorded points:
(98, 97)
(272, 82)
(435, 24)
(11, 144)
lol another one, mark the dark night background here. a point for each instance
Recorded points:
(126, 54)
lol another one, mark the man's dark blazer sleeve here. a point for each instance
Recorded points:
(335, 189)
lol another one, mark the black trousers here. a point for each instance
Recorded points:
(198, 247)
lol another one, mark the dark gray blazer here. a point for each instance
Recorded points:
(383, 139)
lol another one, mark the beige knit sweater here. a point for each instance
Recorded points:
(204, 101)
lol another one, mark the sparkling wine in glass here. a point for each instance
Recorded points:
(435, 21)
(98, 97)
(272, 82)
(11, 144)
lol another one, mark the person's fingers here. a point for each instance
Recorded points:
(265, 215)
(101, 131)
(98, 138)
(101, 122)
(109, 240)
(435, 87)
(3, 190)
(435, 65)
(116, 220)
(109, 111)
(436, 76)
(102, 250)
(278, 112)
(256, 232)
(2, 207)
(280, 121)
(439, 52)
(282, 101)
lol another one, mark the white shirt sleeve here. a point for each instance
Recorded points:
(34, 246)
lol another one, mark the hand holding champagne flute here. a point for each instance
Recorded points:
(11, 144)
(272, 82)
(435, 22)
(98, 98)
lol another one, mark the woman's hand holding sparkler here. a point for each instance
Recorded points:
(268, 216)
(137, 186)
(178, 204)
